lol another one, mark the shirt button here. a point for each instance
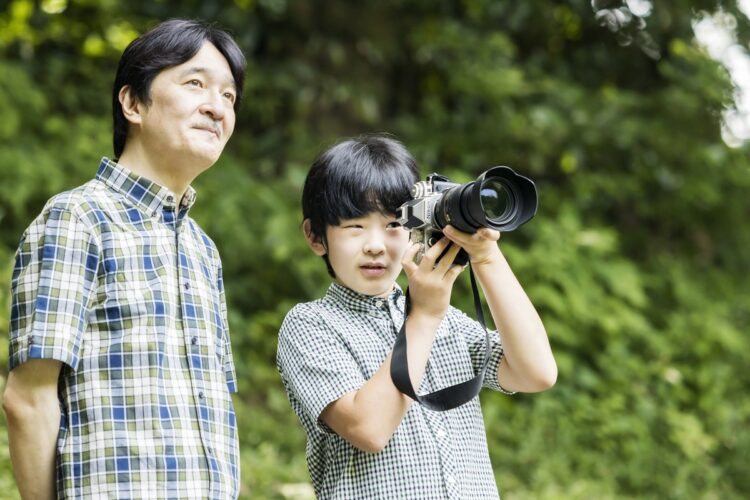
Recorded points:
(194, 340)
(170, 198)
(210, 451)
(31, 341)
(441, 433)
(187, 285)
(201, 395)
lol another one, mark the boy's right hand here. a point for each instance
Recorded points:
(430, 284)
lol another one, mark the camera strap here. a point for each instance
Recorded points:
(448, 397)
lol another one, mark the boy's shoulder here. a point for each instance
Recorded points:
(327, 315)
(312, 311)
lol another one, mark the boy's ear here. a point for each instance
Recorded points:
(131, 106)
(314, 242)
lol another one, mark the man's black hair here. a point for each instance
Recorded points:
(169, 44)
(369, 173)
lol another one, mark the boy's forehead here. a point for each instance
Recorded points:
(372, 215)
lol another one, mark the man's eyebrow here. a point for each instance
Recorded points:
(200, 69)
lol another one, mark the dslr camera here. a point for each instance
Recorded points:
(499, 199)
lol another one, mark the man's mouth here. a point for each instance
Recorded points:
(213, 130)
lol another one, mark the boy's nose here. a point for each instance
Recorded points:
(374, 245)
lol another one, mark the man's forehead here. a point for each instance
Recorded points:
(207, 61)
(203, 70)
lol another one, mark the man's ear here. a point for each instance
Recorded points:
(131, 106)
(314, 242)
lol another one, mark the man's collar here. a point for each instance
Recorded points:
(143, 193)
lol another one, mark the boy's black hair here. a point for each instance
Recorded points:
(369, 173)
(169, 44)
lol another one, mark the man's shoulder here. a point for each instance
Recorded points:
(77, 205)
(80, 201)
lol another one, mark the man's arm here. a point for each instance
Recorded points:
(528, 364)
(32, 409)
(368, 417)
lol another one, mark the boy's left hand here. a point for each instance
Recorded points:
(481, 246)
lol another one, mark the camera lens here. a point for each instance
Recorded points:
(497, 200)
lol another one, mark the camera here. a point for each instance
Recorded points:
(499, 199)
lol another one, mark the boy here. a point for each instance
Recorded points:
(365, 438)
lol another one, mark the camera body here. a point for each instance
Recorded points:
(499, 199)
(417, 214)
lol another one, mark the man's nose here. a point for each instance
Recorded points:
(213, 106)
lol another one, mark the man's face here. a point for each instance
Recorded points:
(190, 115)
(365, 253)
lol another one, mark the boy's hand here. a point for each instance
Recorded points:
(430, 285)
(481, 246)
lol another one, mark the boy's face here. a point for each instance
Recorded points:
(365, 253)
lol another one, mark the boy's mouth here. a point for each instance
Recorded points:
(373, 268)
(373, 265)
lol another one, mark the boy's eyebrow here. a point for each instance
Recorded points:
(200, 69)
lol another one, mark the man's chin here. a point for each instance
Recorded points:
(204, 159)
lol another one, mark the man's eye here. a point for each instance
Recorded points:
(195, 83)
(394, 225)
(229, 96)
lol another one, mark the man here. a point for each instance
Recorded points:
(121, 367)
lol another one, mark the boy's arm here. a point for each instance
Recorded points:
(368, 417)
(33, 413)
(528, 364)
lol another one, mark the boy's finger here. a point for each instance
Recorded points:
(432, 254)
(489, 234)
(407, 261)
(446, 261)
(453, 273)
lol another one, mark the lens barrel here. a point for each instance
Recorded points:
(499, 199)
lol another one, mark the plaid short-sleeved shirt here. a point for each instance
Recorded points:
(332, 346)
(117, 282)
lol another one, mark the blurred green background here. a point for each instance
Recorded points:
(637, 260)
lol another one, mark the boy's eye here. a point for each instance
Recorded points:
(394, 225)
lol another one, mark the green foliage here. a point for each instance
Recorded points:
(636, 261)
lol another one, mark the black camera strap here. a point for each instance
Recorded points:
(448, 397)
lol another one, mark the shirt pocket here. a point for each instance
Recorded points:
(134, 292)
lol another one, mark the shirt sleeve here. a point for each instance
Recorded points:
(53, 282)
(475, 337)
(229, 370)
(315, 363)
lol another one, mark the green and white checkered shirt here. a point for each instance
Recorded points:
(332, 346)
(117, 282)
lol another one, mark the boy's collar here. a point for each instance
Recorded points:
(359, 302)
